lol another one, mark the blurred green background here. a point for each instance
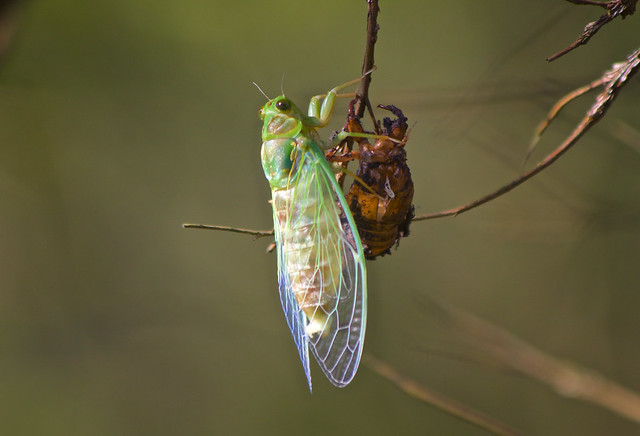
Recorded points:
(120, 120)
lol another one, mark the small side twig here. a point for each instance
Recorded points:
(614, 79)
(555, 110)
(614, 9)
(256, 233)
(429, 396)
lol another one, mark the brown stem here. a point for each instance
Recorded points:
(614, 9)
(555, 110)
(256, 233)
(369, 61)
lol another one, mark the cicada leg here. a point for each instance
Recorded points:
(341, 136)
(321, 106)
(340, 155)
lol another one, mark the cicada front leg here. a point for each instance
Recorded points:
(321, 106)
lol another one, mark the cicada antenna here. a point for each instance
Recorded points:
(282, 84)
(261, 91)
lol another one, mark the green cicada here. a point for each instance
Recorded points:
(321, 264)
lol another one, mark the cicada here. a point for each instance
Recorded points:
(321, 263)
(381, 194)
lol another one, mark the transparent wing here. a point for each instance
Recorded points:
(322, 271)
(294, 316)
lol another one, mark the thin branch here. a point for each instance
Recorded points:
(564, 377)
(614, 79)
(614, 9)
(555, 110)
(426, 395)
(368, 61)
(256, 233)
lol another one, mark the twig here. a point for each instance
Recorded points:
(614, 79)
(369, 60)
(426, 395)
(555, 110)
(614, 9)
(565, 378)
(256, 233)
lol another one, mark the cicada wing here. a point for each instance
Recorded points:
(292, 313)
(337, 346)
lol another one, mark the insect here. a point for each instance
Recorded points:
(381, 194)
(321, 264)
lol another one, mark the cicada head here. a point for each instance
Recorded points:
(282, 119)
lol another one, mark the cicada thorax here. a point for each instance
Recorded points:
(382, 209)
(312, 253)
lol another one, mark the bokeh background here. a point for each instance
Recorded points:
(121, 120)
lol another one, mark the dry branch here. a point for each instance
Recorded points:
(256, 233)
(369, 59)
(614, 9)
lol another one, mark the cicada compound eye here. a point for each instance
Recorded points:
(283, 105)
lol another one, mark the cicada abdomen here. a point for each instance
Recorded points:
(314, 269)
(382, 209)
